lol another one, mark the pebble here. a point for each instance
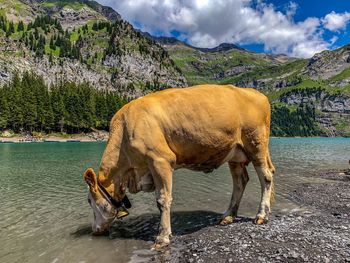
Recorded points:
(294, 254)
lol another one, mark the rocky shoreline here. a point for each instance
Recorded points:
(93, 136)
(320, 232)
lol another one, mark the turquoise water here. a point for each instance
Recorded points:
(45, 216)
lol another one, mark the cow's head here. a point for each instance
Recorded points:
(102, 202)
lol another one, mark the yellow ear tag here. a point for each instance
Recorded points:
(122, 212)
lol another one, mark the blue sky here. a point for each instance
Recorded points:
(299, 28)
(312, 8)
(320, 8)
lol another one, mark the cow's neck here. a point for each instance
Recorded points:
(112, 167)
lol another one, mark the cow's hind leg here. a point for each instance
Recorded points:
(240, 179)
(265, 174)
(162, 175)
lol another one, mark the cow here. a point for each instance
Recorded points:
(199, 128)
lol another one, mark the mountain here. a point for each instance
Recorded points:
(81, 41)
(220, 64)
(220, 48)
(171, 41)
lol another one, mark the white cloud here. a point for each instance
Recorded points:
(207, 23)
(334, 21)
(333, 40)
(292, 8)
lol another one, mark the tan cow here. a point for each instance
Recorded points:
(198, 128)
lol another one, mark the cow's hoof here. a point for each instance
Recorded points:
(260, 221)
(161, 244)
(227, 220)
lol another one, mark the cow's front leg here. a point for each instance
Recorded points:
(162, 175)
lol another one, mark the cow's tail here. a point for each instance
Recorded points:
(272, 196)
(270, 164)
(272, 169)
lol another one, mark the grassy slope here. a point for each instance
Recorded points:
(75, 5)
(269, 73)
(201, 67)
(16, 10)
(343, 75)
(305, 84)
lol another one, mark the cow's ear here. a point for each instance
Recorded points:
(90, 178)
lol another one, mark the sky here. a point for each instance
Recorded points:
(298, 28)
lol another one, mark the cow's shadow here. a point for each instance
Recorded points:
(145, 226)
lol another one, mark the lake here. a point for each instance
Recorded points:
(45, 216)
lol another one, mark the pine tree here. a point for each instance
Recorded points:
(15, 106)
(58, 108)
(45, 118)
(4, 108)
(36, 33)
(95, 26)
(20, 26)
(101, 111)
(11, 28)
(29, 86)
(52, 44)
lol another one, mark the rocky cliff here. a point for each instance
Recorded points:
(333, 108)
(328, 64)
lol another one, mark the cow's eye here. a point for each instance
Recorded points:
(89, 201)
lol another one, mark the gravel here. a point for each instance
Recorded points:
(318, 233)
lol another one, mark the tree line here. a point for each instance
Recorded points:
(28, 104)
(299, 122)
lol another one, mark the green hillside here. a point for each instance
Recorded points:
(216, 67)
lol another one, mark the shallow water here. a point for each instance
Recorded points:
(45, 216)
